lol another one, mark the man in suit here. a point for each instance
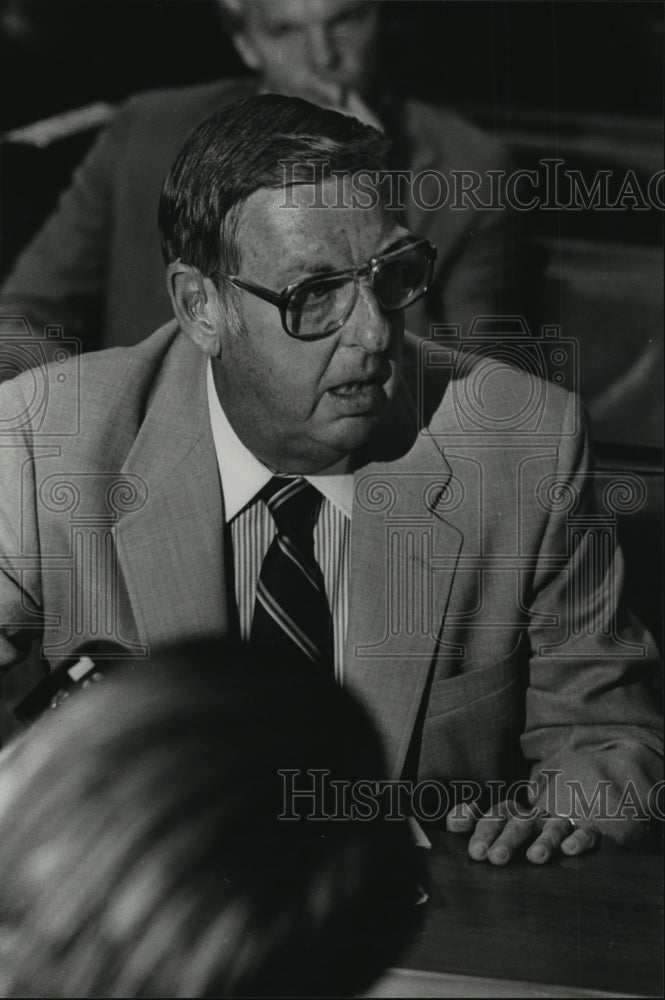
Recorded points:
(95, 267)
(448, 565)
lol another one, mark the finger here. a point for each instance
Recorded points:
(514, 835)
(582, 839)
(554, 832)
(461, 818)
(488, 829)
(326, 92)
(356, 106)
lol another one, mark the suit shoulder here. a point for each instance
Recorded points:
(183, 103)
(150, 127)
(85, 396)
(494, 399)
(440, 137)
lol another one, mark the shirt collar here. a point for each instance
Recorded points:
(243, 475)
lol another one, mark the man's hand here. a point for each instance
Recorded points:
(505, 829)
(338, 98)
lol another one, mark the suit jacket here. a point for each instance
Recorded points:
(485, 629)
(96, 264)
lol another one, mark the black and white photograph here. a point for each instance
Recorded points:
(331, 621)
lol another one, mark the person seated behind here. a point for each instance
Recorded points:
(265, 467)
(142, 852)
(98, 255)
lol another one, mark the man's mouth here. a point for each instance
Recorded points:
(352, 388)
(362, 396)
(355, 386)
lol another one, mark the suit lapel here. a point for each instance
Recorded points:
(171, 551)
(403, 560)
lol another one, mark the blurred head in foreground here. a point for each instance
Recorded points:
(141, 854)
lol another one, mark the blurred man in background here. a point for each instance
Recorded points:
(95, 267)
(142, 853)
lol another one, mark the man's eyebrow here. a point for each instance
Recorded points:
(281, 24)
(304, 269)
(320, 267)
(401, 241)
(307, 267)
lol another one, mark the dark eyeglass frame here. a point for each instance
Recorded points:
(369, 270)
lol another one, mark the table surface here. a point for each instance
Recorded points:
(574, 927)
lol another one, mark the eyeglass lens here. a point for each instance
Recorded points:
(323, 306)
(320, 307)
(397, 281)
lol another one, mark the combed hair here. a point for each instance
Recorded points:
(241, 149)
(141, 854)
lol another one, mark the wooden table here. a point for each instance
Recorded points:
(575, 927)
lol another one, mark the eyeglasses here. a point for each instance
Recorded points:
(318, 306)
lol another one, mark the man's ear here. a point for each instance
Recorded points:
(247, 51)
(196, 306)
(234, 15)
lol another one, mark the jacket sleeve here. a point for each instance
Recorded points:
(593, 726)
(20, 577)
(21, 620)
(60, 277)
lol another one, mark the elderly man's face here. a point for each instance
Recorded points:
(312, 48)
(301, 406)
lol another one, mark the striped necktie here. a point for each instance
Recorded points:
(291, 611)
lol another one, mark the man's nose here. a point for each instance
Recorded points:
(321, 49)
(368, 326)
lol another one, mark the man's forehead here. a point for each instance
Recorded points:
(334, 202)
(315, 221)
(295, 13)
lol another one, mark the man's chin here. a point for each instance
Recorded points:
(349, 423)
(353, 432)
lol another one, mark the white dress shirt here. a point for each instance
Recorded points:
(242, 477)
